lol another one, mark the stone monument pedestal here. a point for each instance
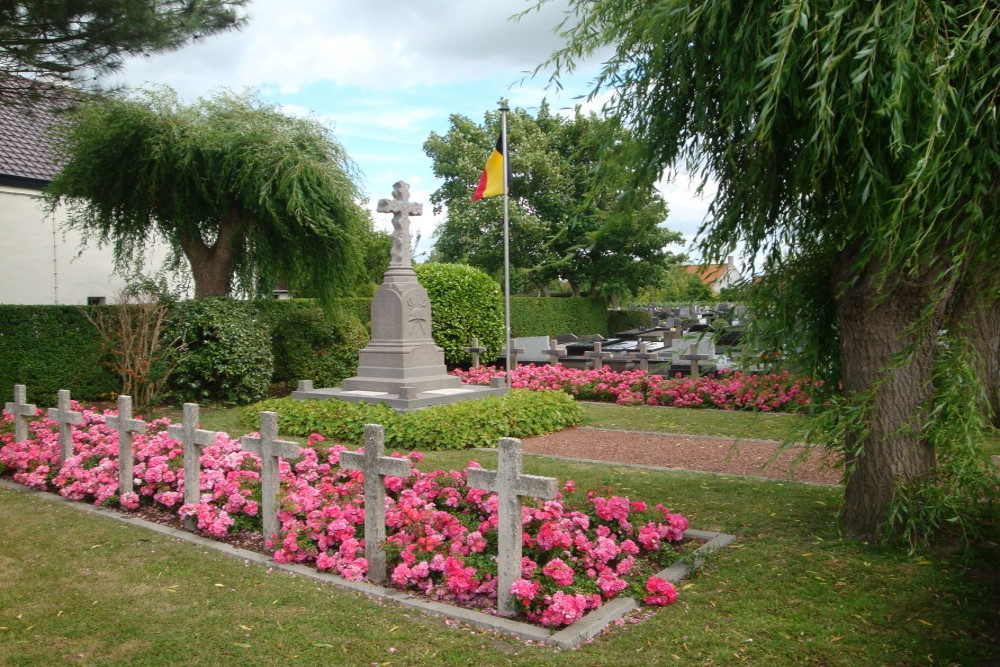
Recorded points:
(401, 367)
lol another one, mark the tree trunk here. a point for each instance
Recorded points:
(980, 322)
(888, 449)
(212, 266)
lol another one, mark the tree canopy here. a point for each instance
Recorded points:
(76, 38)
(856, 149)
(564, 224)
(251, 197)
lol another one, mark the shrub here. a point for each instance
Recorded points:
(465, 304)
(476, 423)
(548, 316)
(49, 348)
(228, 354)
(310, 343)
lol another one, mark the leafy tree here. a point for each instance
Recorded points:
(564, 224)
(248, 196)
(856, 149)
(676, 286)
(72, 39)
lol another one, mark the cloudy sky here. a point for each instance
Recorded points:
(384, 74)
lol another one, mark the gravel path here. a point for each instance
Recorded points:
(687, 452)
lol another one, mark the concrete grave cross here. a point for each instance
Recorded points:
(270, 449)
(510, 485)
(67, 419)
(401, 208)
(512, 355)
(598, 356)
(475, 351)
(553, 352)
(194, 440)
(376, 467)
(125, 426)
(21, 410)
(644, 356)
(694, 358)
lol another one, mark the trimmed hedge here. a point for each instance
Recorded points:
(625, 320)
(477, 423)
(548, 316)
(49, 348)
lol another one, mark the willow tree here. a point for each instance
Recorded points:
(855, 146)
(249, 196)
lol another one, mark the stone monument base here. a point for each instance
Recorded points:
(404, 399)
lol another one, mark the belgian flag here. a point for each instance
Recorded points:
(491, 181)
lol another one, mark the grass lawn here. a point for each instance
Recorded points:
(80, 589)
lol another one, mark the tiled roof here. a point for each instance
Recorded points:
(26, 151)
(709, 273)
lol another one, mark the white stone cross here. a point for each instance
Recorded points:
(475, 351)
(21, 410)
(598, 356)
(125, 426)
(401, 208)
(644, 356)
(67, 419)
(270, 449)
(194, 440)
(376, 467)
(553, 352)
(510, 486)
(694, 358)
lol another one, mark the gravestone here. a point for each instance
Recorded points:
(554, 352)
(194, 440)
(270, 449)
(21, 410)
(515, 352)
(67, 419)
(401, 366)
(376, 467)
(532, 349)
(644, 356)
(693, 357)
(475, 350)
(510, 485)
(125, 426)
(597, 355)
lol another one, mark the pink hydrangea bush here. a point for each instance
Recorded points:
(771, 392)
(580, 549)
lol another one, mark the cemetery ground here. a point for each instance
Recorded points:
(78, 588)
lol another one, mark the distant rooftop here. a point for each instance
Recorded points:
(27, 154)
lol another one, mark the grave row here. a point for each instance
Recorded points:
(596, 357)
(507, 481)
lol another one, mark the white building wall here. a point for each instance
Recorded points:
(41, 263)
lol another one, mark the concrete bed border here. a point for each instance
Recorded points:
(569, 637)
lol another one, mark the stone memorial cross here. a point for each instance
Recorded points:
(598, 356)
(21, 410)
(510, 486)
(401, 208)
(194, 440)
(270, 449)
(644, 356)
(475, 351)
(375, 467)
(514, 351)
(67, 419)
(694, 358)
(125, 426)
(553, 352)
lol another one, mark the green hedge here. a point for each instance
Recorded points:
(49, 348)
(479, 423)
(624, 320)
(548, 316)
(465, 304)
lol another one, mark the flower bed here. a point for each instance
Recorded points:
(579, 550)
(773, 392)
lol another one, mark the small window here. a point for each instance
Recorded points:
(97, 300)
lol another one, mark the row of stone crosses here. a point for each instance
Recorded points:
(507, 481)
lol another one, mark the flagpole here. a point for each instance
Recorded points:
(506, 241)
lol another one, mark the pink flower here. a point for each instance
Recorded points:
(661, 592)
(560, 572)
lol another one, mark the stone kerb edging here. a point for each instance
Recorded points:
(569, 637)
